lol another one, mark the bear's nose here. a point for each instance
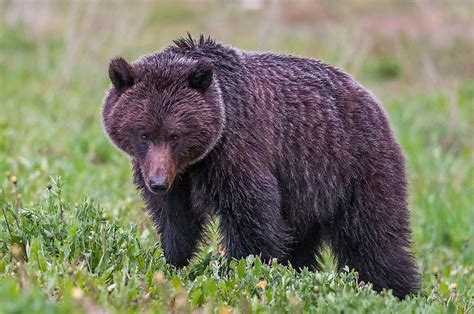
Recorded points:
(158, 184)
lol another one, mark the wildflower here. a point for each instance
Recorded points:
(262, 284)
(16, 252)
(77, 294)
(225, 310)
(158, 278)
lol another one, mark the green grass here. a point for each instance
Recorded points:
(84, 243)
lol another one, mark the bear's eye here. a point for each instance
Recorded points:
(145, 137)
(173, 137)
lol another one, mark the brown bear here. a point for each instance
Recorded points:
(287, 152)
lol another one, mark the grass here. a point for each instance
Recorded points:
(74, 236)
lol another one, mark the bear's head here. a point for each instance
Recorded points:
(165, 112)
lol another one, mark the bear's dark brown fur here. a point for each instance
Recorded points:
(287, 152)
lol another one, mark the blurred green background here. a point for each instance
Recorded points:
(415, 56)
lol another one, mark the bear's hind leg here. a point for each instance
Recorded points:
(306, 252)
(371, 234)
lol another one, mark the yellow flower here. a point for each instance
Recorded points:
(225, 310)
(158, 278)
(262, 284)
(16, 252)
(77, 293)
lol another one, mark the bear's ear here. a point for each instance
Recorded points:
(121, 73)
(200, 77)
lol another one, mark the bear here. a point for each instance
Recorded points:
(287, 153)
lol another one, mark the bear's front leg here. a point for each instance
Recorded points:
(179, 226)
(250, 217)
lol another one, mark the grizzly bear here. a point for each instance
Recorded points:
(287, 152)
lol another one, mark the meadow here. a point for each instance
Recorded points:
(74, 235)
